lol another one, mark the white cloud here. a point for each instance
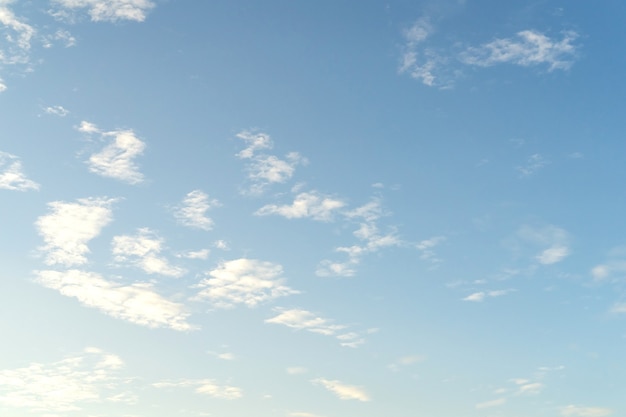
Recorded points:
(420, 62)
(142, 250)
(198, 254)
(530, 388)
(492, 403)
(221, 244)
(192, 211)
(305, 320)
(426, 247)
(243, 281)
(481, 295)
(297, 370)
(533, 164)
(12, 176)
(137, 303)
(311, 205)
(57, 111)
(576, 411)
(341, 390)
(3, 86)
(204, 386)
(328, 268)
(116, 160)
(70, 226)
(60, 35)
(555, 238)
(63, 386)
(619, 308)
(264, 169)
(17, 37)
(110, 10)
(528, 48)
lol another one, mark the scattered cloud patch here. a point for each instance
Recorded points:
(117, 159)
(90, 377)
(492, 403)
(527, 48)
(3, 86)
(192, 211)
(481, 295)
(553, 238)
(243, 281)
(17, 36)
(143, 251)
(137, 303)
(426, 247)
(311, 205)
(533, 164)
(577, 411)
(198, 254)
(70, 226)
(107, 10)
(60, 35)
(305, 320)
(206, 387)
(56, 111)
(341, 390)
(12, 176)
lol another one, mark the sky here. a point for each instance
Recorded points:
(312, 209)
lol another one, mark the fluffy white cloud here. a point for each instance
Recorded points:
(12, 176)
(70, 226)
(204, 386)
(3, 86)
(341, 390)
(243, 281)
(576, 411)
(192, 211)
(117, 159)
(110, 10)
(311, 205)
(255, 142)
(137, 303)
(143, 251)
(17, 37)
(528, 48)
(63, 386)
(305, 320)
(492, 403)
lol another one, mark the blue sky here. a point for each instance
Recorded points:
(312, 209)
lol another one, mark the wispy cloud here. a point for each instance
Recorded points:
(192, 211)
(527, 48)
(312, 205)
(533, 164)
(204, 386)
(64, 386)
(341, 390)
(420, 62)
(578, 411)
(56, 111)
(107, 10)
(264, 169)
(137, 303)
(243, 281)
(492, 403)
(481, 295)
(305, 320)
(197, 254)
(17, 36)
(405, 361)
(12, 176)
(117, 159)
(143, 251)
(69, 226)
(555, 239)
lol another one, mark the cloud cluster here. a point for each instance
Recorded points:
(137, 303)
(341, 390)
(64, 386)
(117, 159)
(305, 205)
(17, 37)
(206, 387)
(143, 251)
(437, 67)
(192, 211)
(243, 281)
(305, 320)
(12, 176)
(106, 10)
(69, 226)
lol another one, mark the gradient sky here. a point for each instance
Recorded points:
(312, 208)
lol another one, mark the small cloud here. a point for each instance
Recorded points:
(142, 250)
(534, 163)
(243, 281)
(226, 356)
(137, 303)
(198, 254)
(108, 10)
(553, 255)
(555, 238)
(477, 297)
(311, 204)
(204, 386)
(297, 370)
(57, 111)
(221, 244)
(60, 35)
(3, 86)
(528, 48)
(406, 361)
(481, 295)
(12, 176)
(492, 403)
(341, 390)
(192, 211)
(529, 388)
(116, 160)
(68, 228)
(576, 155)
(577, 411)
